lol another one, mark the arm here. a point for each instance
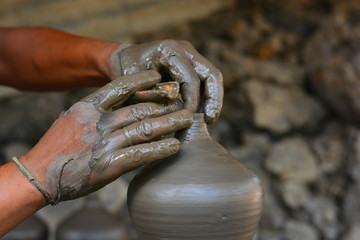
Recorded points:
(47, 59)
(19, 199)
(90, 146)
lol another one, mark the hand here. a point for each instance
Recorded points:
(89, 145)
(184, 64)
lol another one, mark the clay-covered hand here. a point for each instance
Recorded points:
(90, 145)
(183, 63)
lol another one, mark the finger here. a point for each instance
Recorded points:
(181, 70)
(207, 72)
(119, 90)
(163, 92)
(151, 96)
(148, 129)
(133, 157)
(133, 113)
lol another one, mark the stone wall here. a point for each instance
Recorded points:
(290, 68)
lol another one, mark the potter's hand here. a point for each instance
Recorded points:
(183, 63)
(89, 145)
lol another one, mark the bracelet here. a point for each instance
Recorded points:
(33, 181)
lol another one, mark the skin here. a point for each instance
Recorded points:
(90, 145)
(44, 59)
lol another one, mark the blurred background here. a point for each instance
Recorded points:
(292, 98)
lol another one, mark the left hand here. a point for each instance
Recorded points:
(92, 144)
(184, 64)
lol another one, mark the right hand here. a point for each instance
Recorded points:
(90, 145)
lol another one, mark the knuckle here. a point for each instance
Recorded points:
(134, 155)
(145, 129)
(186, 43)
(172, 123)
(119, 89)
(169, 43)
(139, 112)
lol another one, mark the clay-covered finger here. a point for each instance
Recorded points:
(180, 68)
(133, 157)
(148, 129)
(137, 112)
(207, 72)
(119, 90)
(166, 91)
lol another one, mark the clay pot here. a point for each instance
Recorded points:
(202, 192)
(32, 228)
(92, 223)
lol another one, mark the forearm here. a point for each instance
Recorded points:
(47, 59)
(18, 198)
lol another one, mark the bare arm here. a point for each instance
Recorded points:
(19, 199)
(46, 59)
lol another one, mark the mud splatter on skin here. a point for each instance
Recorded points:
(97, 145)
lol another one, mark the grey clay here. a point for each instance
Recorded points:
(202, 192)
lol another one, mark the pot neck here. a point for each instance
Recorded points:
(198, 129)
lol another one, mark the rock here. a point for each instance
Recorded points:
(297, 230)
(252, 155)
(324, 215)
(273, 216)
(351, 204)
(292, 159)
(281, 110)
(329, 148)
(28, 116)
(280, 73)
(332, 58)
(222, 131)
(266, 235)
(294, 194)
(15, 149)
(243, 67)
(354, 232)
(354, 161)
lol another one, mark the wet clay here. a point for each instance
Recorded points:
(92, 223)
(162, 92)
(183, 63)
(202, 192)
(98, 144)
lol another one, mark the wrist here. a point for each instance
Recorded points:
(25, 191)
(34, 168)
(102, 56)
(115, 63)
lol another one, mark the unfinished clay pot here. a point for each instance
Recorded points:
(32, 228)
(92, 223)
(202, 192)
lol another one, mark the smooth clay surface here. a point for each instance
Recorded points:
(202, 192)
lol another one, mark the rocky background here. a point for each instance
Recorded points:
(291, 110)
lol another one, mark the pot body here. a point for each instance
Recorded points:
(202, 192)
